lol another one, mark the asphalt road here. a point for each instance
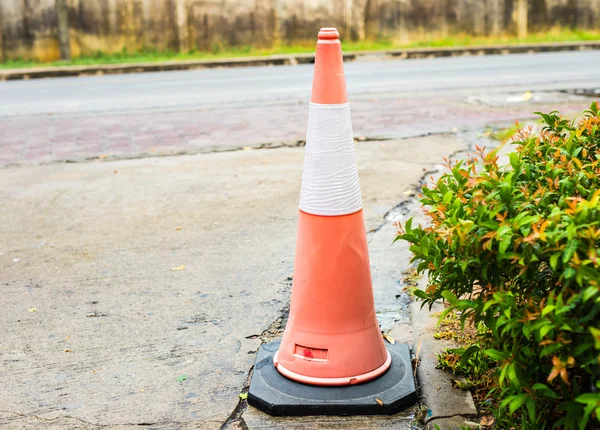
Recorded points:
(260, 86)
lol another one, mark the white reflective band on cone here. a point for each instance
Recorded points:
(330, 177)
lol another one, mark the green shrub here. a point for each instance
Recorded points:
(516, 248)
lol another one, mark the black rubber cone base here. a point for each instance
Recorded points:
(276, 395)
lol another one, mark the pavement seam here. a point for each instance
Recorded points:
(37, 417)
(440, 417)
(261, 146)
(238, 412)
(69, 417)
(274, 329)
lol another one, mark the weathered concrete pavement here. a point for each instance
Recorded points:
(97, 327)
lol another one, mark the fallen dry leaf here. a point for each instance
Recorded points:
(178, 268)
(389, 338)
(487, 421)
(68, 350)
(379, 401)
(416, 360)
(177, 228)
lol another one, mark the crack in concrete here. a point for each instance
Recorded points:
(265, 145)
(431, 419)
(236, 415)
(37, 417)
(275, 329)
(68, 417)
(278, 325)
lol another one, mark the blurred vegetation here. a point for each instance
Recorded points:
(221, 51)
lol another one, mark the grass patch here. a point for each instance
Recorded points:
(218, 51)
(469, 361)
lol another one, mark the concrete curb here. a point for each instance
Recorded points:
(278, 60)
(447, 407)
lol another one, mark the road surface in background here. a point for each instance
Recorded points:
(197, 111)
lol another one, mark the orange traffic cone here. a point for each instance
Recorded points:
(332, 336)
(332, 359)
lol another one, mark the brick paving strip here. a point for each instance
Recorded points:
(74, 138)
(275, 60)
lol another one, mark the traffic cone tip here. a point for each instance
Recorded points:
(329, 33)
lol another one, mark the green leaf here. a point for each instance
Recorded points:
(420, 294)
(543, 390)
(506, 241)
(512, 376)
(181, 378)
(443, 315)
(450, 297)
(569, 251)
(593, 398)
(527, 220)
(545, 329)
(515, 161)
(495, 354)
(447, 198)
(596, 333)
(517, 403)
(243, 396)
(468, 353)
(492, 225)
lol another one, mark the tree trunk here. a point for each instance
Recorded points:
(183, 35)
(2, 53)
(495, 14)
(521, 19)
(62, 14)
(348, 20)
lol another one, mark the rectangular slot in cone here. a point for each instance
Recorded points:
(307, 353)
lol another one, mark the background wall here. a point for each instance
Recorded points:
(28, 28)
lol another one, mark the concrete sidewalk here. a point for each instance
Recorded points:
(136, 292)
